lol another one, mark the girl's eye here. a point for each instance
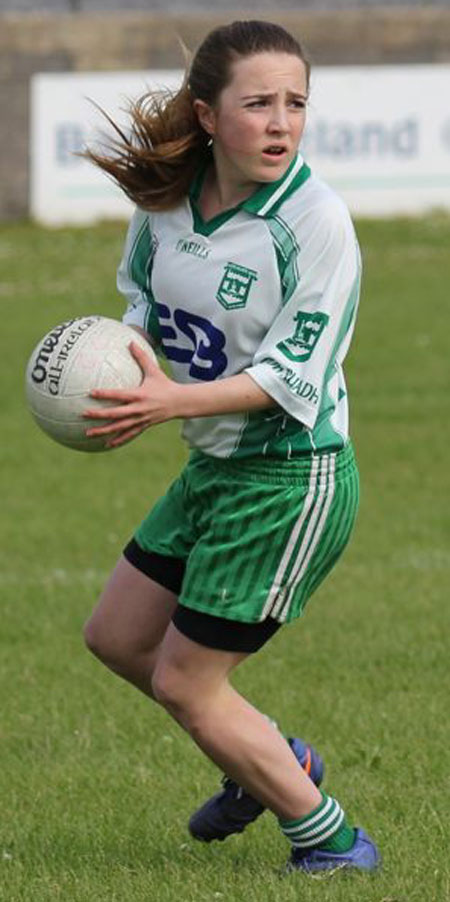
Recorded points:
(297, 104)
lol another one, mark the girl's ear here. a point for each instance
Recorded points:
(205, 116)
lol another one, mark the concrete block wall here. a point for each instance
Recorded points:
(33, 43)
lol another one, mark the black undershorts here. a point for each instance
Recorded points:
(213, 632)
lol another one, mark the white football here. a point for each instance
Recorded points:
(74, 358)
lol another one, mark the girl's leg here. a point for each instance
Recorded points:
(129, 632)
(191, 682)
(129, 623)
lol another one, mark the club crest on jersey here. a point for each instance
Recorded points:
(234, 288)
(309, 328)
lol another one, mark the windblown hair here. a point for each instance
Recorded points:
(155, 163)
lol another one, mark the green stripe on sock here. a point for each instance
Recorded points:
(324, 827)
(342, 841)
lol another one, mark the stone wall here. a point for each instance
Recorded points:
(100, 42)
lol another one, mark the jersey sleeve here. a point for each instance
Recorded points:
(134, 277)
(310, 337)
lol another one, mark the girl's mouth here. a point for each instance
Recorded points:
(274, 150)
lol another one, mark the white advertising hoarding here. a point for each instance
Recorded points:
(65, 118)
(380, 135)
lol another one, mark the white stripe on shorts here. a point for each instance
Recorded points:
(278, 601)
(274, 590)
(305, 554)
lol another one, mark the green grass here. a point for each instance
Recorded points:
(96, 784)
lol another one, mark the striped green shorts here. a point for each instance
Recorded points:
(257, 536)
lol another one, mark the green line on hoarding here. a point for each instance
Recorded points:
(394, 181)
(365, 182)
(88, 191)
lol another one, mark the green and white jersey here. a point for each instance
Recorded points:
(269, 288)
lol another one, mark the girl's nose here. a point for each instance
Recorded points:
(279, 119)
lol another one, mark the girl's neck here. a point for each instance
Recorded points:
(218, 194)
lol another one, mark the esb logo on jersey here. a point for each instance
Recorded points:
(205, 354)
(309, 328)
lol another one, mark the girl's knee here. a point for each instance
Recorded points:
(172, 690)
(180, 699)
(104, 644)
(94, 637)
(166, 688)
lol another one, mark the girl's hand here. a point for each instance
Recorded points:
(154, 401)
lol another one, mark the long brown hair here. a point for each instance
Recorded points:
(155, 164)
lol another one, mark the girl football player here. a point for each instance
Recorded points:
(243, 270)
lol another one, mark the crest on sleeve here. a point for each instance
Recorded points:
(308, 329)
(234, 288)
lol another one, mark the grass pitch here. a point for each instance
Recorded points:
(96, 783)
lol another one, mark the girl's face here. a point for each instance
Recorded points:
(259, 118)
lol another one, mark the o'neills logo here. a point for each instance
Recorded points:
(54, 351)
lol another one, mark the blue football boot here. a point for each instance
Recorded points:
(232, 809)
(363, 856)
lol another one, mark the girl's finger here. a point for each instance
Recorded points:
(113, 394)
(114, 427)
(147, 365)
(124, 438)
(111, 413)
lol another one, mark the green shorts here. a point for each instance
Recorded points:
(257, 536)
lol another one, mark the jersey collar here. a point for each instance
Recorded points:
(263, 202)
(268, 198)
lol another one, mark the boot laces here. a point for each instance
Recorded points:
(232, 788)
